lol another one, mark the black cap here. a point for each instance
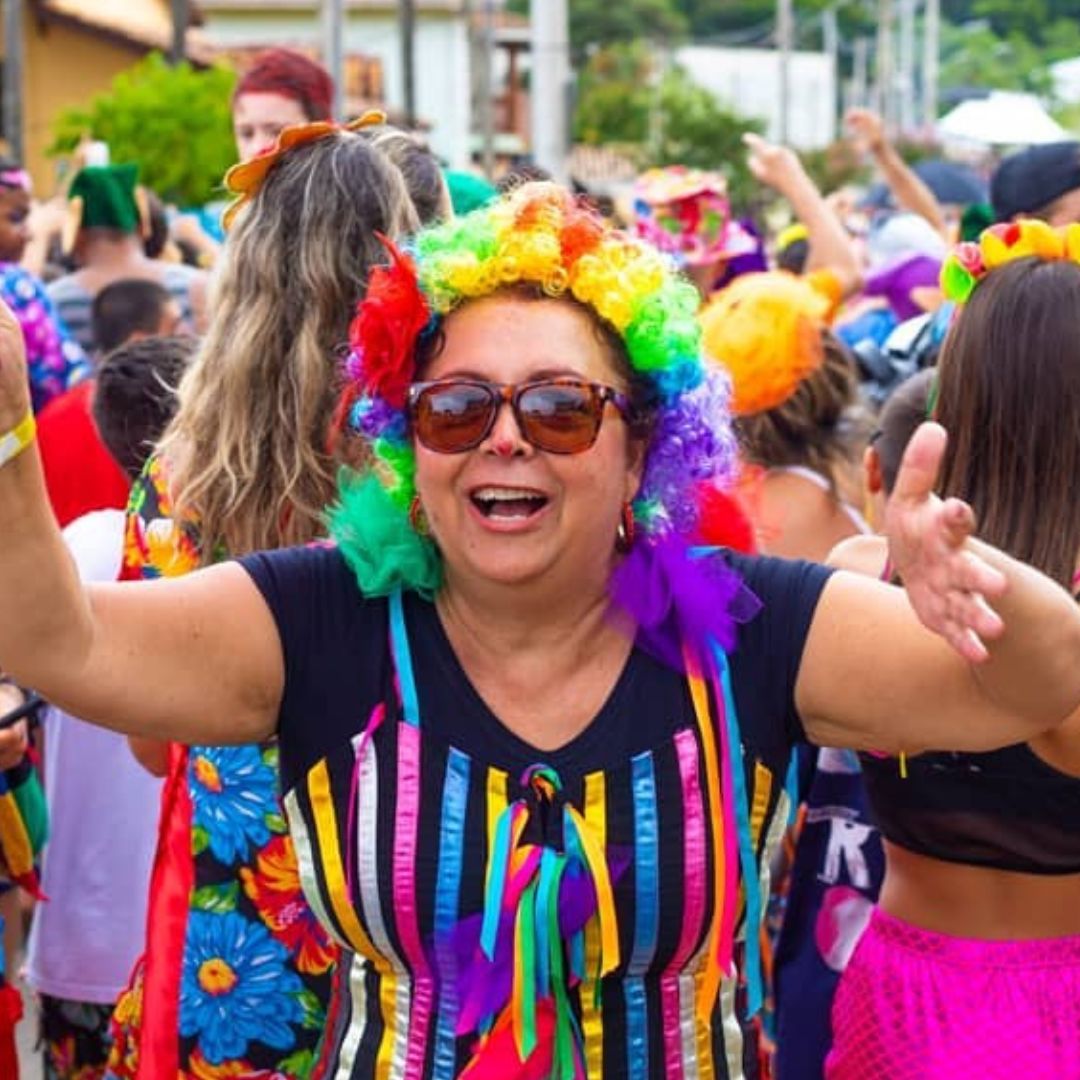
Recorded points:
(1034, 178)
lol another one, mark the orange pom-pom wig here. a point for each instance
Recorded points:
(765, 330)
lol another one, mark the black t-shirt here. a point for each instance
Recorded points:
(338, 666)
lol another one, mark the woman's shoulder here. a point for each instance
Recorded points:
(313, 590)
(798, 514)
(319, 564)
(865, 555)
(769, 575)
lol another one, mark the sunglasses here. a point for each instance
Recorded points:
(560, 416)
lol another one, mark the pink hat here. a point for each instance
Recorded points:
(686, 213)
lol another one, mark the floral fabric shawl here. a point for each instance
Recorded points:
(237, 970)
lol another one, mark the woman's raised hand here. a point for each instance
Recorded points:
(948, 584)
(14, 386)
(773, 164)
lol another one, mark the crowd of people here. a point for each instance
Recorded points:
(482, 631)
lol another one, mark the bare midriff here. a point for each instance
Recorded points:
(976, 902)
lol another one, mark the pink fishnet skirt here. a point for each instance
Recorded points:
(916, 1005)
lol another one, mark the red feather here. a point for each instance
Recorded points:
(388, 322)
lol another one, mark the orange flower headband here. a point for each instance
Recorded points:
(1000, 244)
(244, 179)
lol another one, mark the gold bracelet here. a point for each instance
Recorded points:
(15, 441)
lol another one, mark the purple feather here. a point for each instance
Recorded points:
(675, 597)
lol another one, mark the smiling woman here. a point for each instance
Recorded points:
(531, 738)
(545, 498)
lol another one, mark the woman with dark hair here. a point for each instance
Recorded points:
(797, 414)
(834, 852)
(970, 965)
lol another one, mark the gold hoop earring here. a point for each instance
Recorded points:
(417, 518)
(627, 529)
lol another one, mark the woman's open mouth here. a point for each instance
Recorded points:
(508, 504)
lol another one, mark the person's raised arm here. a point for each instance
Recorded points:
(830, 248)
(196, 659)
(934, 666)
(908, 189)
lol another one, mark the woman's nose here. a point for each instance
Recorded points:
(505, 438)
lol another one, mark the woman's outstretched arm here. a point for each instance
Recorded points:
(194, 659)
(977, 651)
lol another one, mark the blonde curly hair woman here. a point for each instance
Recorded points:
(249, 462)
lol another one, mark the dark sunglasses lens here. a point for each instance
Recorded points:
(560, 418)
(452, 418)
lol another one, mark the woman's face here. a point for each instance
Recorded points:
(258, 119)
(566, 517)
(14, 223)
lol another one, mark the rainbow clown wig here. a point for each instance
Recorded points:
(540, 236)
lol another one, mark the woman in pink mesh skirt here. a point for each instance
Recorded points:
(970, 967)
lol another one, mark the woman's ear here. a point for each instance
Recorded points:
(636, 450)
(875, 483)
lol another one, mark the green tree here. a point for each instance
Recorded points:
(753, 22)
(615, 96)
(694, 129)
(173, 121)
(605, 22)
(660, 119)
(973, 55)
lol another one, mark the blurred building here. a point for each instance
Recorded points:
(373, 55)
(502, 40)
(748, 81)
(72, 50)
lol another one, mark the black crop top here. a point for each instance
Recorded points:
(1007, 809)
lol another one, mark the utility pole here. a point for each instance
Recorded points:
(181, 16)
(333, 12)
(550, 90)
(484, 86)
(660, 61)
(407, 29)
(13, 77)
(931, 53)
(884, 90)
(830, 31)
(906, 81)
(784, 34)
(860, 73)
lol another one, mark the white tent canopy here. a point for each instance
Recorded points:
(1002, 119)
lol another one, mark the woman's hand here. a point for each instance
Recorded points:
(777, 166)
(866, 127)
(47, 218)
(14, 386)
(947, 582)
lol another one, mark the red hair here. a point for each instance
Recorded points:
(292, 75)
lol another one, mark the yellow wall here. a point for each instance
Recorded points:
(63, 66)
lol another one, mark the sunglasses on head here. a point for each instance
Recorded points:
(558, 415)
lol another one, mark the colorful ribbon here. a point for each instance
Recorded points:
(549, 876)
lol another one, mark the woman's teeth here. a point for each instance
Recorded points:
(508, 502)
